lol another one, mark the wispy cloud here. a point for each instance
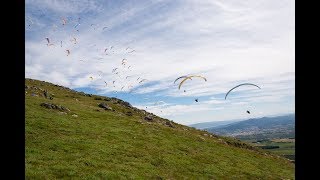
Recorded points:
(228, 42)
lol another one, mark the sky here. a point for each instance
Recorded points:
(228, 42)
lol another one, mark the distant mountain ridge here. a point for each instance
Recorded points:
(206, 125)
(265, 127)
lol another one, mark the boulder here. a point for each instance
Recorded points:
(148, 118)
(53, 106)
(104, 106)
(129, 113)
(170, 124)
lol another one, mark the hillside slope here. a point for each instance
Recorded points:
(82, 140)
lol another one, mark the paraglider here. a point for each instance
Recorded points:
(64, 21)
(104, 27)
(68, 52)
(48, 44)
(91, 78)
(124, 61)
(113, 70)
(196, 100)
(142, 80)
(100, 73)
(48, 40)
(77, 23)
(106, 83)
(74, 39)
(248, 112)
(189, 77)
(180, 78)
(250, 84)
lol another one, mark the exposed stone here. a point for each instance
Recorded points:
(53, 106)
(74, 115)
(129, 113)
(107, 99)
(104, 106)
(170, 124)
(148, 118)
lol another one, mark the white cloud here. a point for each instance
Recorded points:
(228, 42)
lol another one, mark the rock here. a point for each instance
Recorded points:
(205, 134)
(64, 108)
(61, 113)
(33, 94)
(45, 94)
(168, 123)
(119, 101)
(46, 105)
(129, 113)
(107, 99)
(53, 106)
(51, 98)
(97, 98)
(105, 106)
(74, 115)
(148, 118)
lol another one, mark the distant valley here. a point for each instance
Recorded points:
(259, 128)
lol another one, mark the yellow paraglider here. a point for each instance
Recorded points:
(189, 77)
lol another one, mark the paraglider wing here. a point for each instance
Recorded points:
(48, 40)
(240, 85)
(180, 78)
(248, 112)
(64, 21)
(189, 77)
(142, 80)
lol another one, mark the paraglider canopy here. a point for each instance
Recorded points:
(248, 112)
(250, 84)
(189, 77)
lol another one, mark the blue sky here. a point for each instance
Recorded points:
(229, 42)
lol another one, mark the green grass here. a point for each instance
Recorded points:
(285, 148)
(112, 145)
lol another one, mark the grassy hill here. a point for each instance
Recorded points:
(82, 140)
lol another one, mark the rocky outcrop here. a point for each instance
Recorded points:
(54, 106)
